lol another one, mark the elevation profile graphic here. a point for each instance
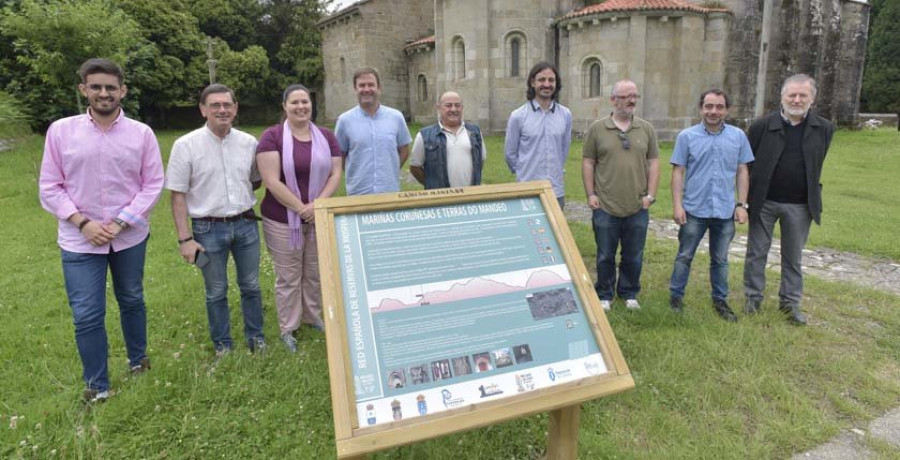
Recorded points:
(467, 288)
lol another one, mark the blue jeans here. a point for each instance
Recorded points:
(85, 277)
(609, 232)
(721, 232)
(241, 239)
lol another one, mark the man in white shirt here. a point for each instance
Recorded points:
(212, 174)
(451, 152)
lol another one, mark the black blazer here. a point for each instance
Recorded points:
(767, 142)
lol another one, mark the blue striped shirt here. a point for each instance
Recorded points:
(537, 143)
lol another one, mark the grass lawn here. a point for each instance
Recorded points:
(705, 388)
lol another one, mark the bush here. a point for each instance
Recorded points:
(13, 121)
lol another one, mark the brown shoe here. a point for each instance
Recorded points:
(142, 366)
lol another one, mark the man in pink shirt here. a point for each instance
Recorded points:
(101, 175)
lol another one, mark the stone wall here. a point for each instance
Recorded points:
(773, 39)
(673, 56)
(672, 59)
(421, 62)
(372, 33)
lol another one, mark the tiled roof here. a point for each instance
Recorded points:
(614, 6)
(421, 41)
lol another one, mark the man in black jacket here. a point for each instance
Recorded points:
(789, 148)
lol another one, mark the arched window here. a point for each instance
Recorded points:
(592, 78)
(343, 71)
(459, 58)
(422, 86)
(514, 48)
(516, 53)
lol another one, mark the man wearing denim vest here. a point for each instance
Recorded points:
(451, 152)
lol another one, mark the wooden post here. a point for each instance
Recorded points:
(562, 435)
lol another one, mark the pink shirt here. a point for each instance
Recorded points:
(103, 175)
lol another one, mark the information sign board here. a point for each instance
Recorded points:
(443, 306)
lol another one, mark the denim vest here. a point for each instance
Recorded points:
(436, 155)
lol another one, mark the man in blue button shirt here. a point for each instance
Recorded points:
(373, 138)
(708, 159)
(539, 133)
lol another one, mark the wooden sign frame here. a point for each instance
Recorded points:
(562, 400)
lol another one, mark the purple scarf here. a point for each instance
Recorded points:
(319, 170)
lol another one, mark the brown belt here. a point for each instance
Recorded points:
(248, 214)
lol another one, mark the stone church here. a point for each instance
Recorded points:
(672, 49)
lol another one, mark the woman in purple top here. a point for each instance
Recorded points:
(298, 162)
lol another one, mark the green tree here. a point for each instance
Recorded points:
(881, 82)
(162, 73)
(52, 38)
(234, 21)
(246, 72)
(289, 34)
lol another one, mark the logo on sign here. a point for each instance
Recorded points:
(551, 374)
(449, 401)
(489, 390)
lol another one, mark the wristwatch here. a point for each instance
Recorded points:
(121, 223)
(652, 198)
(741, 204)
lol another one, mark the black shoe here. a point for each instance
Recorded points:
(724, 311)
(676, 304)
(751, 307)
(794, 314)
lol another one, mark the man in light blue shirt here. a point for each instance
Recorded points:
(707, 161)
(539, 133)
(373, 138)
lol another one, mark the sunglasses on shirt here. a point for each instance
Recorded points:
(626, 144)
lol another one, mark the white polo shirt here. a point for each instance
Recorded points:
(216, 174)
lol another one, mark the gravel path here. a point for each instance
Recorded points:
(827, 264)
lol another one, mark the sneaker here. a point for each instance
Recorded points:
(677, 304)
(289, 341)
(724, 311)
(92, 395)
(317, 326)
(606, 304)
(632, 304)
(751, 306)
(258, 344)
(142, 366)
(222, 352)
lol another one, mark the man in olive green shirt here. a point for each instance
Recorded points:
(620, 170)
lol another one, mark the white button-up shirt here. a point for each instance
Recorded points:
(216, 174)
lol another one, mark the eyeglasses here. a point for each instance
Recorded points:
(626, 144)
(95, 88)
(452, 106)
(221, 105)
(628, 96)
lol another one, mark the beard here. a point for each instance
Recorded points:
(795, 112)
(104, 111)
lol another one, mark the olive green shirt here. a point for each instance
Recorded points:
(620, 175)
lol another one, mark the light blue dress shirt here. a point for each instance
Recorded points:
(370, 144)
(537, 143)
(711, 161)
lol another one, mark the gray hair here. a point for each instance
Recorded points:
(618, 84)
(800, 78)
